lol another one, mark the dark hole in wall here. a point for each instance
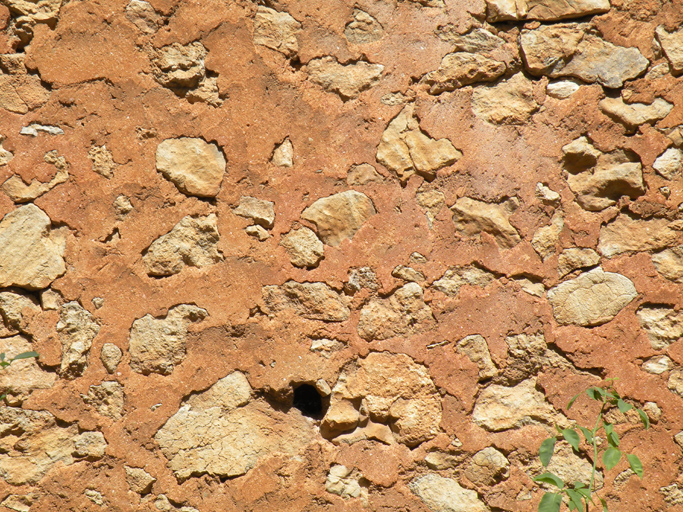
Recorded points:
(308, 401)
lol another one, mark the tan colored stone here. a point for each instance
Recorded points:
(5, 155)
(635, 114)
(454, 278)
(19, 503)
(593, 298)
(405, 149)
(157, 345)
(408, 274)
(669, 263)
(206, 92)
(509, 101)
(20, 192)
(303, 247)
(340, 417)
(339, 216)
(276, 30)
(31, 253)
(34, 129)
(139, 480)
(675, 382)
(440, 461)
(262, 212)
(546, 239)
(477, 40)
(668, 164)
(575, 258)
(477, 350)
(487, 467)
(122, 206)
(37, 10)
(432, 201)
(179, 67)
(111, 356)
(283, 155)
(545, 10)
(143, 16)
(658, 365)
(90, 445)
(569, 467)
(22, 377)
(101, 158)
(77, 328)
(192, 242)
(672, 44)
(107, 398)
(672, 495)
(16, 311)
(562, 89)
(547, 195)
(527, 355)
(663, 325)
(472, 217)
(363, 174)
(363, 28)
(193, 165)
(462, 68)
(627, 234)
(443, 494)
(348, 81)
(315, 301)
(343, 482)
(22, 92)
(403, 313)
(257, 232)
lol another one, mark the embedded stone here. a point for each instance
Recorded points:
(179, 67)
(509, 101)
(143, 16)
(102, 159)
(20, 192)
(303, 247)
(546, 238)
(139, 480)
(627, 234)
(363, 28)
(669, 263)
(24, 376)
(362, 174)
(477, 40)
(315, 301)
(633, 115)
(90, 445)
(194, 166)
(459, 69)
(575, 258)
(107, 399)
(276, 30)
(111, 356)
(477, 350)
(443, 494)
(283, 155)
(663, 325)
(262, 212)
(76, 328)
(487, 467)
(668, 164)
(342, 482)
(672, 45)
(472, 217)
(454, 278)
(348, 81)
(339, 216)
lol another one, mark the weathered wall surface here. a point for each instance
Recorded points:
(442, 218)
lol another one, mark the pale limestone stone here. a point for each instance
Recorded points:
(51, 300)
(408, 274)
(231, 391)
(679, 439)
(562, 89)
(90, 445)
(472, 217)
(157, 345)
(343, 482)
(262, 212)
(672, 495)
(257, 232)
(502, 408)
(16, 311)
(672, 44)
(34, 128)
(669, 263)
(442, 494)
(107, 398)
(454, 278)
(102, 159)
(545, 10)
(487, 467)
(363, 174)
(440, 461)
(206, 92)
(372, 431)
(20, 91)
(547, 195)
(18, 502)
(139, 480)
(325, 346)
(348, 81)
(111, 356)
(363, 29)
(323, 387)
(219, 436)
(569, 467)
(31, 253)
(393, 390)
(363, 277)
(675, 382)
(36, 10)
(532, 288)
(5, 155)
(627, 234)
(527, 355)
(404, 149)
(143, 16)
(635, 114)
(179, 67)
(668, 164)
(283, 154)
(593, 298)
(477, 40)
(303, 247)
(20, 192)
(658, 365)
(192, 242)
(339, 216)
(509, 101)
(663, 325)
(575, 258)
(461, 68)
(340, 417)
(77, 328)
(546, 238)
(403, 313)
(315, 301)
(194, 166)
(276, 30)
(122, 206)
(24, 376)
(477, 350)
(432, 201)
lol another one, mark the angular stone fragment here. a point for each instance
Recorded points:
(669, 263)
(102, 159)
(340, 417)
(34, 128)
(139, 480)
(627, 234)
(575, 258)
(462, 68)
(672, 44)
(510, 101)
(16, 311)
(122, 206)
(20, 192)
(403, 313)
(315, 301)
(363, 29)
(456, 277)
(547, 195)
(569, 467)
(90, 445)
(408, 274)
(432, 201)
(545, 239)
(487, 467)
(527, 355)
(5, 155)
(477, 350)
(179, 67)
(192, 242)
(23, 376)
(572, 50)
(206, 92)
(19, 503)
(593, 298)
(443, 494)
(675, 382)
(502, 408)
(37, 10)
(143, 16)
(348, 81)
(111, 356)
(22, 92)
(672, 495)
(663, 325)
(157, 345)
(394, 390)
(405, 149)
(668, 164)
(363, 174)
(214, 434)
(260, 211)
(107, 398)
(257, 232)
(363, 277)
(77, 328)
(343, 482)
(31, 253)
(545, 10)
(658, 365)
(472, 217)
(635, 114)
(562, 89)
(478, 40)
(303, 247)
(339, 216)
(193, 165)
(276, 30)
(283, 155)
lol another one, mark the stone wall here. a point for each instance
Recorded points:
(333, 255)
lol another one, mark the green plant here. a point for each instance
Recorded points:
(4, 363)
(579, 494)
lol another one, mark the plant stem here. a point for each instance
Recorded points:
(595, 449)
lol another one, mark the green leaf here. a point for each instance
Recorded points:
(579, 485)
(25, 355)
(572, 438)
(604, 505)
(550, 502)
(644, 418)
(2, 356)
(611, 458)
(547, 449)
(575, 498)
(549, 478)
(571, 402)
(594, 393)
(636, 465)
(623, 406)
(588, 434)
(608, 428)
(613, 439)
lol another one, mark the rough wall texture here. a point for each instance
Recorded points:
(334, 255)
